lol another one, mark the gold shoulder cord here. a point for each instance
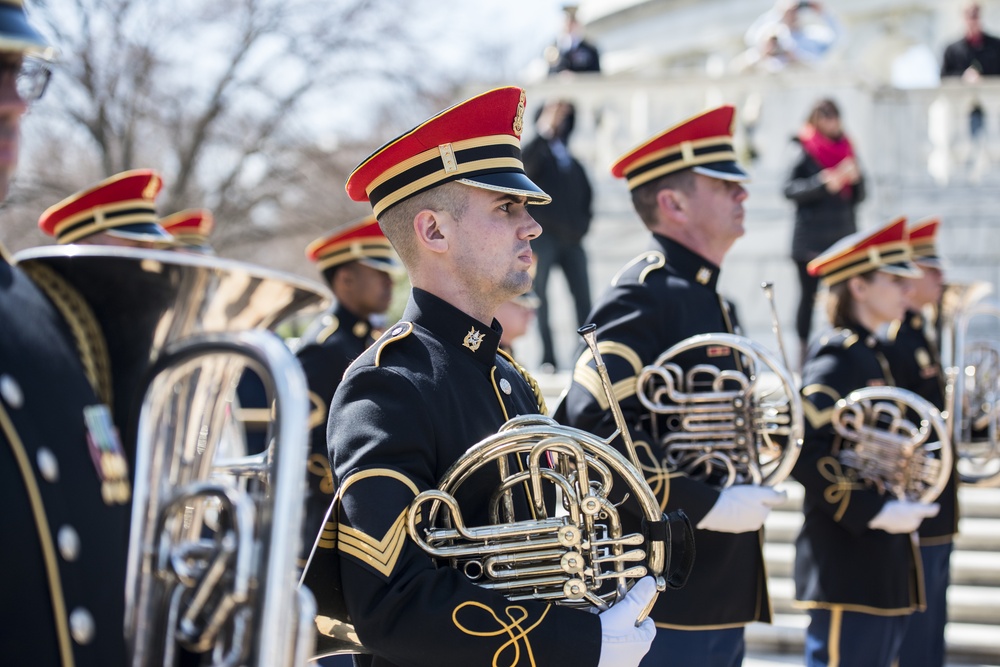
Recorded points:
(532, 382)
(89, 337)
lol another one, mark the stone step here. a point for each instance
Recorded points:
(968, 568)
(966, 604)
(968, 643)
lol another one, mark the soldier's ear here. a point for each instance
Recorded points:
(430, 228)
(673, 204)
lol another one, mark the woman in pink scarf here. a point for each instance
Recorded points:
(826, 185)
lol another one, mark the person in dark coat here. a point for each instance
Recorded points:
(691, 202)
(565, 221)
(572, 52)
(826, 186)
(857, 573)
(451, 195)
(358, 264)
(975, 55)
(65, 484)
(912, 352)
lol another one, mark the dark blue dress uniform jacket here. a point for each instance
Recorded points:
(64, 548)
(839, 561)
(916, 366)
(432, 386)
(663, 296)
(341, 340)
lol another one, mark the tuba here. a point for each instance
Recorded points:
(725, 427)
(970, 359)
(575, 553)
(214, 531)
(894, 440)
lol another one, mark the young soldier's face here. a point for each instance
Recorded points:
(12, 107)
(491, 244)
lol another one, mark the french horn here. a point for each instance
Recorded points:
(970, 359)
(725, 427)
(895, 441)
(212, 561)
(575, 553)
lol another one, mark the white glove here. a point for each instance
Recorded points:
(902, 516)
(741, 509)
(622, 643)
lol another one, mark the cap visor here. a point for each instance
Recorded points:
(930, 262)
(511, 182)
(904, 269)
(143, 231)
(379, 264)
(724, 171)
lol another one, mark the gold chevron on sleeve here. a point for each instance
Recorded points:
(381, 554)
(318, 412)
(328, 536)
(817, 417)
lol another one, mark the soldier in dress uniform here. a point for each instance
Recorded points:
(688, 190)
(915, 364)
(65, 488)
(857, 572)
(358, 263)
(451, 195)
(191, 229)
(118, 211)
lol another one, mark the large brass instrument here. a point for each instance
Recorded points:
(215, 531)
(895, 441)
(970, 358)
(724, 427)
(575, 552)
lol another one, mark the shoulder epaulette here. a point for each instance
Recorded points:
(399, 331)
(892, 333)
(840, 338)
(649, 261)
(87, 333)
(532, 382)
(328, 330)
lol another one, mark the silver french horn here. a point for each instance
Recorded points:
(970, 359)
(215, 531)
(724, 427)
(895, 441)
(576, 552)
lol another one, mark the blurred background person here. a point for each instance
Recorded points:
(571, 51)
(975, 55)
(804, 39)
(515, 316)
(916, 365)
(826, 185)
(565, 221)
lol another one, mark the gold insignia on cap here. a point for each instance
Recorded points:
(473, 339)
(153, 188)
(519, 116)
(704, 275)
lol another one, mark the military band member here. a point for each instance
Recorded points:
(191, 229)
(915, 365)
(118, 211)
(856, 567)
(358, 263)
(688, 190)
(64, 483)
(451, 195)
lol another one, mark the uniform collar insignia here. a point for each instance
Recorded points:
(360, 329)
(686, 263)
(704, 275)
(473, 339)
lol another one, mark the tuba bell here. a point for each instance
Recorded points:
(215, 531)
(576, 551)
(970, 358)
(895, 441)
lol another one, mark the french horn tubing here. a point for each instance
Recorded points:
(895, 441)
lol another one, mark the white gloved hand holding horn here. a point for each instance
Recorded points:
(741, 509)
(623, 644)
